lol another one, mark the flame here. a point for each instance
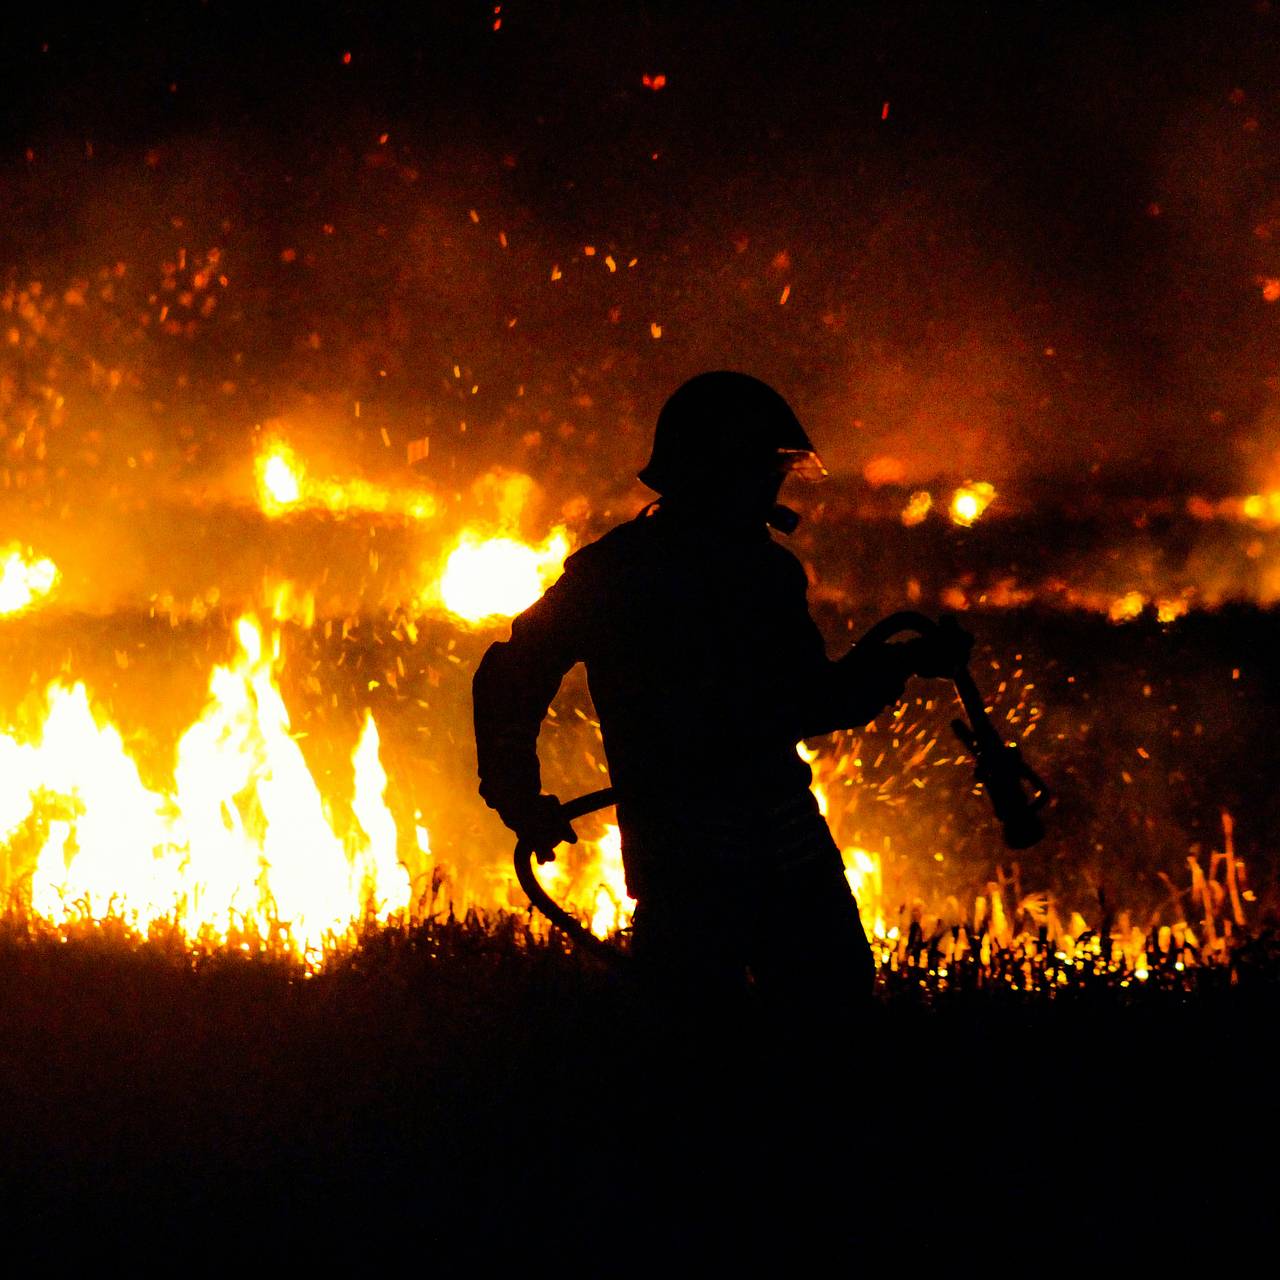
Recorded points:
(589, 880)
(24, 578)
(241, 843)
(918, 506)
(863, 872)
(970, 500)
(1259, 509)
(285, 486)
(612, 909)
(279, 480)
(1127, 607)
(497, 577)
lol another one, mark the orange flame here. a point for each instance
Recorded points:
(488, 579)
(24, 578)
(970, 500)
(286, 486)
(242, 841)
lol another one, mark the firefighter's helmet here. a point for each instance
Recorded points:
(723, 423)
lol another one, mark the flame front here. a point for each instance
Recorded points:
(243, 841)
(285, 486)
(489, 578)
(24, 578)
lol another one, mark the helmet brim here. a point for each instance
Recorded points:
(804, 463)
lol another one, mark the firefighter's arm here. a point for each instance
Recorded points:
(514, 685)
(854, 690)
(822, 696)
(871, 677)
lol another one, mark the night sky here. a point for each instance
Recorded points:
(1023, 243)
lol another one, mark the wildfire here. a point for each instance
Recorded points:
(970, 501)
(280, 481)
(486, 579)
(613, 909)
(863, 872)
(1131, 605)
(285, 486)
(590, 881)
(24, 578)
(241, 844)
(862, 868)
(279, 478)
(1260, 509)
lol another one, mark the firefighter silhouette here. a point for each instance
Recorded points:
(706, 670)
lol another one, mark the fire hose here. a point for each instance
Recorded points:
(1016, 792)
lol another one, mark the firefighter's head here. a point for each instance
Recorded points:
(727, 441)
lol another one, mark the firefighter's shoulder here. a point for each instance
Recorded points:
(610, 552)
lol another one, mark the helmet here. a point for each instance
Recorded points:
(726, 422)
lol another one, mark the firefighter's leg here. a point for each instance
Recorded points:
(809, 954)
(688, 949)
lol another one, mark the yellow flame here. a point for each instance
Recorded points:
(1127, 607)
(24, 578)
(611, 909)
(280, 481)
(242, 840)
(863, 872)
(285, 485)
(486, 579)
(970, 501)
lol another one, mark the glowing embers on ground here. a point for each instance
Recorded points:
(242, 843)
(490, 578)
(285, 485)
(25, 578)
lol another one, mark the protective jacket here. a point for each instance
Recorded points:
(705, 668)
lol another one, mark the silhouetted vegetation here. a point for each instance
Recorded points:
(462, 1088)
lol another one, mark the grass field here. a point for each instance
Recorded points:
(461, 1091)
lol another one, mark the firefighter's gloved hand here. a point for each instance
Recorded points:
(540, 823)
(940, 653)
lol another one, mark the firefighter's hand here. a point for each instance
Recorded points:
(940, 653)
(541, 824)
